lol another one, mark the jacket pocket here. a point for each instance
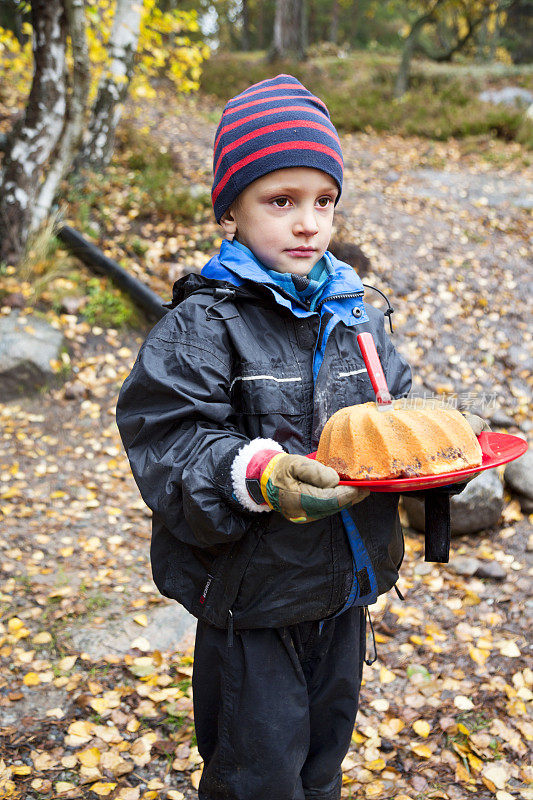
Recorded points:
(267, 391)
(224, 578)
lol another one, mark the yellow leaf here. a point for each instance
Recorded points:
(66, 663)
(62, 787)
(374, 789)
(42, 638)
(462, 774)
(195, 778)
(475, 762)
(478, 655)
(463, 703)
(421, 750)
(21, 770)
(141, 619)
(463, 729)
(421, 727)
(81, 730)
(386, 675)
(377, 765)
(31, 679)
(509, 648)
(89, 757)
(495, 774)
(14, 624)
(103, 789)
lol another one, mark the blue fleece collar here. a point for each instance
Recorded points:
(234, 265)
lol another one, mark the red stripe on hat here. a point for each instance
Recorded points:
(266, 113)
(277, 86)
(275, 99)
(296, 123)
(268, 80)
(266, 151)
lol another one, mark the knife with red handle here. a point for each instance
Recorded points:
(436, 501)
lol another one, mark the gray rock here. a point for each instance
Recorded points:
(464, 565)
(170, 627)
(509, 96)
(71, 305)
(526, 504)
(477, 508)
(25, 354)
(491, 569)
(502, 420)
(518, 475)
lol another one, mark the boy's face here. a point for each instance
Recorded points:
(285, 218)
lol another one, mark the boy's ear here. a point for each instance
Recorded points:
(229, 223)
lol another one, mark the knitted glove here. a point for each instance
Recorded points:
(301, 489)
(478, 424)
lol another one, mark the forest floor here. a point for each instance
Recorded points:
(95, 666)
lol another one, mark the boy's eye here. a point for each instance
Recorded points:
(281, 202)
(324, 202)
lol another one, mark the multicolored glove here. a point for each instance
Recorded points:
(301, 489)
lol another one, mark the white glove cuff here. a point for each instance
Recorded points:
(239, 467)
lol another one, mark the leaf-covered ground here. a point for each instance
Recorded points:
(445, 710)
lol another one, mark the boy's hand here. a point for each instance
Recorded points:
(478, 424)
(304, 490)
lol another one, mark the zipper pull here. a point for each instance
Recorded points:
(368, 661)
(230, 629)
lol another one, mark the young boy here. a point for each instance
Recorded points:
(229, 392)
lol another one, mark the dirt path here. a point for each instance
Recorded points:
(452, 255)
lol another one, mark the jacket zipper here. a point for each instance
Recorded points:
(337, 297)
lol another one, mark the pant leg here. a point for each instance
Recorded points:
(333, 666)
(251, 713)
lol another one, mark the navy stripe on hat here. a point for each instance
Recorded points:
(274, 124)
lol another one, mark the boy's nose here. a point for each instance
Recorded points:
(306, 223)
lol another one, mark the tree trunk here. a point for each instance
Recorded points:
(334, 23)
(402, 78)
(36, 135)
(289, 30)
(114, 84)
(245, 16)
(75, 118)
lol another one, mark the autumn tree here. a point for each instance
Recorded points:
(453, 23)
(81, 60)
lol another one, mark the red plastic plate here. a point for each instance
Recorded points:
(497, 448)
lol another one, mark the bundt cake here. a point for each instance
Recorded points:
(363, 442)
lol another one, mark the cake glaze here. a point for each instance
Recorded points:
(363, 442)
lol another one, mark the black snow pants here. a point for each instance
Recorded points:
(274, 708)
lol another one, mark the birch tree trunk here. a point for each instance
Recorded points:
(114, 84)
(289, 30)
(75, 116)
(31, 141)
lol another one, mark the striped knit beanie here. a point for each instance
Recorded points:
(274, 124)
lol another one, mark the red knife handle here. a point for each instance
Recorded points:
(374, 368)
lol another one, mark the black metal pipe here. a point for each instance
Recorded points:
(92, 257)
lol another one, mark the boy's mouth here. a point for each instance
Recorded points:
(301, 251)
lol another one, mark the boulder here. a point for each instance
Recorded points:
(477, 507)
(509, 96)
(518, 475)
(27, 345)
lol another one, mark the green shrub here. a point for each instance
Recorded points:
(107, 307)
(359, 92)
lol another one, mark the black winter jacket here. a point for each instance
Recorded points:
(234, 360)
